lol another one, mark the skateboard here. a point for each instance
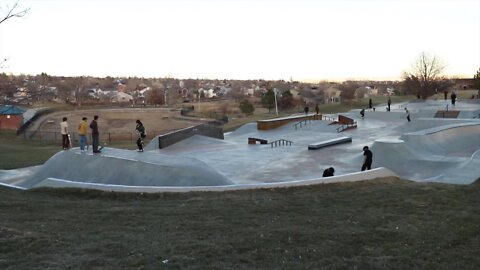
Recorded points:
(69, 141)
(103, 146)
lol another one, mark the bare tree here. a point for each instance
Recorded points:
(476, 82)
(428, 69)
(10, 11)
(7, 12)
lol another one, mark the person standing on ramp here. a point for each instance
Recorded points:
(82, 134)
(140, 129)
(95, 135)
(64, 132)
(368, 158)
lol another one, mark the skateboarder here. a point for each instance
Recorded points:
(368, 158)
(453, 96)
(140, 129)
(408, 114)
(389, 102)
(362, 113)
(64, 132)
(95, 135)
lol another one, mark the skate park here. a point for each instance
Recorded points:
(440, 144)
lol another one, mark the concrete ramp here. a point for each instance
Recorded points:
(447, 140)
(397, 156)
(124, 167)
(353, 177)
(465, 173)
(448, 153)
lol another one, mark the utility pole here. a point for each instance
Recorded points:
(275, 95)
(165, 96)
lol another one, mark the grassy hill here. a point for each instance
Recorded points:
(379, 224)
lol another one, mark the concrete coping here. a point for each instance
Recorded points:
(286, 118)
(441, 128)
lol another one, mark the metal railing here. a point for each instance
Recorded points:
(346, 126)
(304, 122)
(104, 136)
(281, 142)
(329, 118)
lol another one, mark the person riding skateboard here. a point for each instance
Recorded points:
(140, 129)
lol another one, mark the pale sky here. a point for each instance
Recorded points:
(240, 39)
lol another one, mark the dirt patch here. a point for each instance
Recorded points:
(156, 120)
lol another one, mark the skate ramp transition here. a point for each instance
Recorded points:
(124, 167)
(442, 154)
(353, 177)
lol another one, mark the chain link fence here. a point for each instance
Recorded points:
(52, 136)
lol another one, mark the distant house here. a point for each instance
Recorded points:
(11, 117)
(366, 92)
(296, 94)
(116, 96)
(332, 95)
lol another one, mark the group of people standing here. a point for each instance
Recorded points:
(389, 103)
(83, 132)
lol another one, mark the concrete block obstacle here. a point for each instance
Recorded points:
(255, 140)
(322, 144)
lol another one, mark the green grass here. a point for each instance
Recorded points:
(16, 152)
(380, 224)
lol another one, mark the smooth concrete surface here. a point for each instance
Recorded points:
(359, 176)
(425, 149)
(124, 167)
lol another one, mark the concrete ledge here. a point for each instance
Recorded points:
(255, 140)
(318, 145)
(278, 122)
(352, 177)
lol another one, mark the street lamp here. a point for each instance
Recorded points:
(275, 95)
(165, 95)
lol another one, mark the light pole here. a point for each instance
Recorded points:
(275, 95)
(165, 96)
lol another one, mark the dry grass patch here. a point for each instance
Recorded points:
(380, 224)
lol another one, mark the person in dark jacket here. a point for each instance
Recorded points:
(368, 158)
(328, 172)
(140, 129)
(95, 134)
